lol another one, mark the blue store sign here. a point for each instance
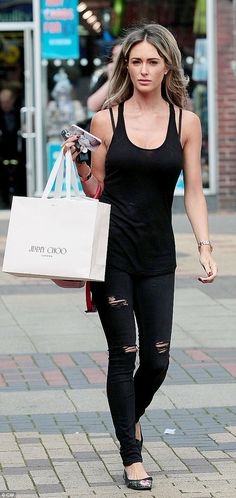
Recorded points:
(59, 27)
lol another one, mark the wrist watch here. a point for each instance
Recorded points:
(205, 243)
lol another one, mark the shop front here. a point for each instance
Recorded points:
(45, 66)
(49, 52)
(19, 127)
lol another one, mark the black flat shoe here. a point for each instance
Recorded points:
(138, 484)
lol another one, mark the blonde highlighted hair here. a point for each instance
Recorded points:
(174, 84)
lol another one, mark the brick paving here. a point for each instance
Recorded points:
(84, 370)
(56, 435)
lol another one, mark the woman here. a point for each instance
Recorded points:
(147, 138)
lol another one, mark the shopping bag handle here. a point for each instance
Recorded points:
(71, 177)
(57, 174)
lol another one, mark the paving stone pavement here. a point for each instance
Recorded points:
(56, 434)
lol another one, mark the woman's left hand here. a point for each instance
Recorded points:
(70, 144)
(209, 266)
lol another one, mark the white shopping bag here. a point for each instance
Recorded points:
(58, 238)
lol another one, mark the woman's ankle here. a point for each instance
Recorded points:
(136, 470)
(138, 431)
(134, 463)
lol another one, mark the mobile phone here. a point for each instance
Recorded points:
(86, 139)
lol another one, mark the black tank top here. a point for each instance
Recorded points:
(139, 184)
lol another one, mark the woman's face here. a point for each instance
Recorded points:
(146, 67)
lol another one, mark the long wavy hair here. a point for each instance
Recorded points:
(174, 84)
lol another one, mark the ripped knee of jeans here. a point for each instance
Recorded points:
(115, 302)
(130, 349)
(163, 347)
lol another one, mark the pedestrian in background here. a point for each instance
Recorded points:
(99, 91)
(12, 151)
(147, 136)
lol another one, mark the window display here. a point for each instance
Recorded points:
(62, 109)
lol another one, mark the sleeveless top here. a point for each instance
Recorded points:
(139, 184)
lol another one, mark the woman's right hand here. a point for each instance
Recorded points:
(70, 144)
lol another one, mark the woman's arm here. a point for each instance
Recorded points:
(195, 203)
(97, 99)
(92, 176)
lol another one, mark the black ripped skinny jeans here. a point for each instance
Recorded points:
(119, 300)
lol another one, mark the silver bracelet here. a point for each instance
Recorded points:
(205, 243)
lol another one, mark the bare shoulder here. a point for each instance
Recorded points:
(190, 118)
(191, 126)
(102, 117)
(101, 124)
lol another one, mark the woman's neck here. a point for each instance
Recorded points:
(149, 102)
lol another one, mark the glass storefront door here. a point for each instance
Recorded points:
(17, 111)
